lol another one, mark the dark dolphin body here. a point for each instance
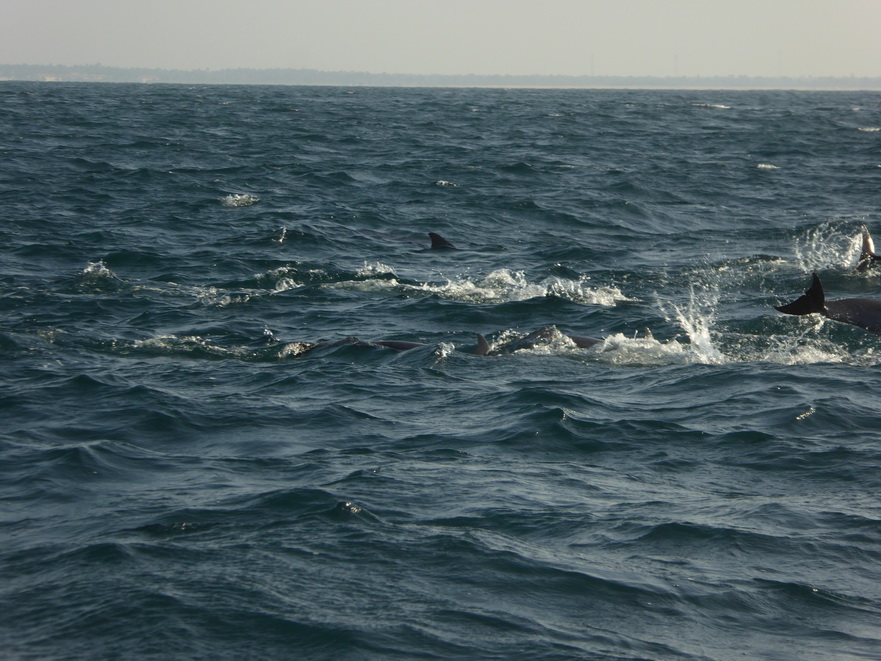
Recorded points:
(544, 334)
(397, 345)
(862, 312)
(439, 242)
(301, 348)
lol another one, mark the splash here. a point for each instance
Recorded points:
(373, 269)
(499, 286)
(98, 271)
(285, 284)
(696, 318)
(504, 286)
(97, 276)
(284, 278)
(826, 248)
(213, 297)
(620, 350)
(294, 349)
(192, 345)
(808, 347)
(196, 346)
(239, 200)
(444, 350)
(553, 342)
(786, 352)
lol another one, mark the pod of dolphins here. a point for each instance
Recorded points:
(862, 312)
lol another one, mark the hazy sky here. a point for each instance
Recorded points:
(566, 37)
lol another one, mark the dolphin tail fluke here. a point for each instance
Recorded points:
(813, 300)
(482, 346)
(437, 241)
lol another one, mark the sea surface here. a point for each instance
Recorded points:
(196, 463)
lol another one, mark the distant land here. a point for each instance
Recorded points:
(97, 73)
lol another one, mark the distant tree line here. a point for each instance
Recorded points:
(100, 73)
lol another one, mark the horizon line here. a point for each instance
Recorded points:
(98, 72)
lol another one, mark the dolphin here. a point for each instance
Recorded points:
(438, 242)
(396, 345)
(862, 312)
(868, 258)
(543, 334)
(301, 348)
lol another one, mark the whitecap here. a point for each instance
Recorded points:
(212, 297)
(285, 284)
(97, 274)
(553, 342)
(97, 271)
(505, 285)
(620, 350)
(806, 354)
(239, 200)
(369, 285)
(281, 278)
(799, 349)
(175, 344)
(293, 349)
(371, 269)
(444, 350)
(499, 286)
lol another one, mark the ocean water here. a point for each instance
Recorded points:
(183, 478)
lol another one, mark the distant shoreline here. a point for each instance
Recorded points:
(96, 73)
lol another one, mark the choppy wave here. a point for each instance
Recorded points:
(195, 444)
(499, 286)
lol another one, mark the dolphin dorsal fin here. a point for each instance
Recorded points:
(867, 252)
(437, 241)
(482, 346)
(868, 244)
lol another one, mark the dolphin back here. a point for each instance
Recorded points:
(813, 300)
(398, 345)
(583, 342)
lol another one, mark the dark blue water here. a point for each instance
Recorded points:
(181, 478)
